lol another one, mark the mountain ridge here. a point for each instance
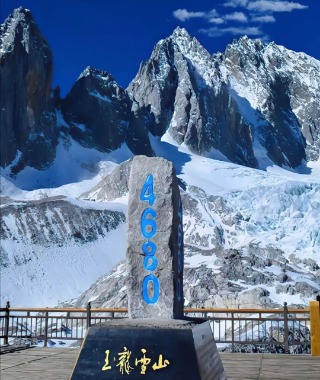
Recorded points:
(245, 103)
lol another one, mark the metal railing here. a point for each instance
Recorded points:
(44, 324)
(284, 330)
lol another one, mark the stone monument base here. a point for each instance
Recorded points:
(163, 349)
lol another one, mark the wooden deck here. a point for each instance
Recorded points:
(57, 364)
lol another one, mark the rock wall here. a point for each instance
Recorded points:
(28, 122)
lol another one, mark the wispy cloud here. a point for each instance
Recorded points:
(266, 5)
(274, 6)
(237, 16)
(263, 19)
(254, 13)
(216, 32)
(184, 14)
(236, 3)
(217, 20)
(212, 16)
(212, 13)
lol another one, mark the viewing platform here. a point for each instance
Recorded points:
(57, 364)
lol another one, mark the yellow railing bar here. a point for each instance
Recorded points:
(315, 327)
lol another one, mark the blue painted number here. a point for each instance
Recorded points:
(149, 248)
(151, 285)
(147, 194)
(148, 225)
(150, 263)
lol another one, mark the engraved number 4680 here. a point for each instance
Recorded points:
(148, 225)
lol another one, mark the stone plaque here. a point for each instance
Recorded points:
(155, 240)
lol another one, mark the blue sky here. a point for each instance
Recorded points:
(117, 35)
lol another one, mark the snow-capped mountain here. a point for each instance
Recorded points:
(255, 104)
(246, 102)
(242, 129)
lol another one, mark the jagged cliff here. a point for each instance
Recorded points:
(246, 102)
(202, 114)
(98, 113)
(28, 122)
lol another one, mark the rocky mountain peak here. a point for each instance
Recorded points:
(96, 73)
(276, 82)
(180, 32)
(21, 11)
(189, 46)
(188, 91)
(21, 15)
(96, 82)
(97, 110)
(244, 49)
(186, 96)
(180, 37)
(20, 27)
(247, 41)
(27, 118)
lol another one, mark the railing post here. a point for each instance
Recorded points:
(315, 326)
(88, 315)
(286, 328)
(67, 323)
(46, 324)
(6, 323)
(232, 330)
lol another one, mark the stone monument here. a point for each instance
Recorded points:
(155, 240)
(156, 341)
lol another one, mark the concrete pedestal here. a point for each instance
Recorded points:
(162, 349)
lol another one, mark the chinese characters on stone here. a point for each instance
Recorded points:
(123, 362)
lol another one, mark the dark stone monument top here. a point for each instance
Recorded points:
(152, 323)
(155, 240)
